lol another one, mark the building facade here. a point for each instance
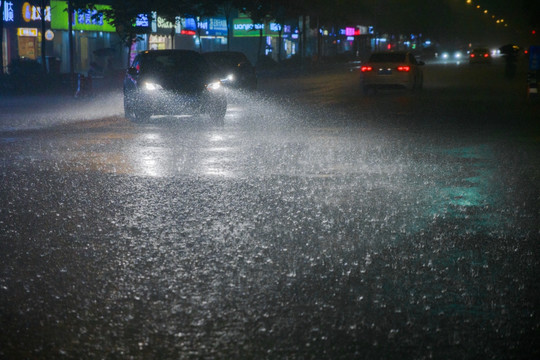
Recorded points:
(23, 22)
(98, 49)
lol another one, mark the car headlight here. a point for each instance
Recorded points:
(213, 86)
(151, 86)
(228, 79)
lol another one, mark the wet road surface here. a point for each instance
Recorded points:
(316, 223)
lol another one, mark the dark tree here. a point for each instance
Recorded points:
(123, 15)
(258, 11)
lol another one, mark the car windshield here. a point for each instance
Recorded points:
(388, 57)
(170, 63)
(221, 58)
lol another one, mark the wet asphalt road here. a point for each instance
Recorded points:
(316, 223)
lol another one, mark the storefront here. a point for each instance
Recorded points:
(21, 37)
(247, 36)
(162, 32)
(211, 34)
(96, 44)
(208, 34)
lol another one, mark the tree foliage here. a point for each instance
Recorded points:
(429, 17)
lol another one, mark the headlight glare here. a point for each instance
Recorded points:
(213, 86)
(151, 86)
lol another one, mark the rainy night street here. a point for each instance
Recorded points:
(316, 223)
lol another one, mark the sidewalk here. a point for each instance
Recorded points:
(41, 111)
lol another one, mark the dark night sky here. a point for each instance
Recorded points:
(465, 23)
(457, 23)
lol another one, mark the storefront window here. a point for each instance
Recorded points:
(28, 43)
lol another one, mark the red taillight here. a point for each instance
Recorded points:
(472, 55)
(404, 68)
(366, 68)
(486, 55)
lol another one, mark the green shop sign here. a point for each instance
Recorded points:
(244, 27)
(83, 19)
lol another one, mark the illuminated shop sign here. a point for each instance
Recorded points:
(88, 17)
(215, 26)
(32, 32)
(244, 27)
(9, 15)
(349, 31)
(163, 23)
(142, 20)
(160, 24)
(82, 19)
(190, 27)
(354, 31)
(33, 13)
(49, 35)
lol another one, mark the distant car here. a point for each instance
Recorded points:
(392, 69)
(451, 55)
(172, 82)
(234, 67)
(480, 56)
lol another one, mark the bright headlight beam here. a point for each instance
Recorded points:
(152, 86)
(214, 85)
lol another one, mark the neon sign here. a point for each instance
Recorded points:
(9, 14)
(32, 32)
(243, 27)
(89, 17)
(142, 20)
(33, 13)
(161, 23)
(83, 19)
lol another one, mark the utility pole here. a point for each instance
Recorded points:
(43, 45)
(70, 40)
(1, 37)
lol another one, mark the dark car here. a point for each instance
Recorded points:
(480, 56)
(172, 82)
(234, 67)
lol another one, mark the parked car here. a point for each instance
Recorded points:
(392, 69)
(172, 82)
(235, 68)
(480, 56)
